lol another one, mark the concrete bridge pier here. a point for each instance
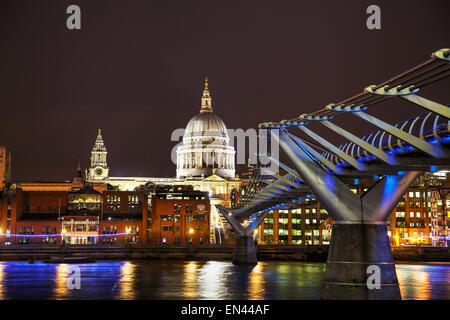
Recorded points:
(360, 263)
(245, 250)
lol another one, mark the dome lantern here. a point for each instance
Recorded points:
(206, 99)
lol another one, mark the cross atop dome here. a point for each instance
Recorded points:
(206, 99)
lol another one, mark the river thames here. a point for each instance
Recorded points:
(197, 280)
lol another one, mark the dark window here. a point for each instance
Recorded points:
(199, 217)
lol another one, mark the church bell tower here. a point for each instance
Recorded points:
(99, 168)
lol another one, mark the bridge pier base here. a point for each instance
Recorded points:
(245, 250)
(353, 249)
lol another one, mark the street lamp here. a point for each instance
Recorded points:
(128, 231)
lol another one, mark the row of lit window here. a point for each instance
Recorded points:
(294, 232)
(177, 218)
(417, 194)
(177, 208)
(115, 199)
(413, 204)
(295, 221)
(417, 214)
(410, 225)
(177, 228)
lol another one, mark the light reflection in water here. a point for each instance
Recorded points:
(256, 282)
(127, 280)
(2, 276)
(212, 277)
(190, 280)
(197, 280)
(424, 282)
(62, 275)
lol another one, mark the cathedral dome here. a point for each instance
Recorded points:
(206, 123)
(205, 150)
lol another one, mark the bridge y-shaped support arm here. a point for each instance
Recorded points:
(237, 227)
(245, 250)
(228, 215)
(359, 238)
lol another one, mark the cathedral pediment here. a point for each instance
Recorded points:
(214, 177)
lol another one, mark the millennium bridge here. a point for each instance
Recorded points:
(392, 157)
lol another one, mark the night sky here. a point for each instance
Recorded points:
(136, 70)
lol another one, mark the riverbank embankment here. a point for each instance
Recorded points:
(37, 252)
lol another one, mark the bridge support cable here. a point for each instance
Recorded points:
(245, 249)
(359, 238)
(410, 95)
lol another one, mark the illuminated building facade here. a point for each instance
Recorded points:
(421, 217)
(307, 225)
(180, 215)
(440, 213)
(73, 211)
(79, 217)
(81, 213)
(409, 223)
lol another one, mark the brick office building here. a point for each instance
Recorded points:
(46, 213)
(78, 213)
(180, 215)
(124, 212)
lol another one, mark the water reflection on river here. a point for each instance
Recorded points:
(196, 280)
